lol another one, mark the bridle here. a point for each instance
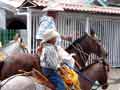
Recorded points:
(82, 53)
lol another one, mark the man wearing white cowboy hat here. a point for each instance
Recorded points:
(50, 59)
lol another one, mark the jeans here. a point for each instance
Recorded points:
(53, 76)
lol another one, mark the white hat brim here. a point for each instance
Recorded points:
(46, 36)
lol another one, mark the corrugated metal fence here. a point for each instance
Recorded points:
(36, 15)
(108, 30)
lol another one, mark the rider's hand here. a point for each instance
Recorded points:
(69, 38)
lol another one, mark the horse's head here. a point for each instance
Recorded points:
(86, 45)
(91, 44)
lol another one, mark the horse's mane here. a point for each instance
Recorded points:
(77, 40)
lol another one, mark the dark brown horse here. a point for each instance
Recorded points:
(16, 58)
(97, 71)
(26, 62)
(19, 61)
(84, 46)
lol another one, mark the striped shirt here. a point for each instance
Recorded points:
(50, 57)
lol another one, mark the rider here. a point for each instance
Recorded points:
(47, 23)
(50, 59)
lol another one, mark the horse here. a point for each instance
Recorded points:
(86, 45)
(32, 80)
(29, 61)
(9, 59)
(94, 72)
(14, 46)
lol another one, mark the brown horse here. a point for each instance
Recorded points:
(15, 57)
(94, 72)
(84, 46)
(32, 80)
(17, 61)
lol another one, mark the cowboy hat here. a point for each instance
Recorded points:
(49, 34)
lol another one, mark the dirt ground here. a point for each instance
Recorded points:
(114, 79)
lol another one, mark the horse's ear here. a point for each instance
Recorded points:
(86, 33)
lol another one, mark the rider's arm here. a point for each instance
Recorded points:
(66, 37)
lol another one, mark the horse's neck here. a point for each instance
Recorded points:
(81, 56)
(89, 75)
(94, 71)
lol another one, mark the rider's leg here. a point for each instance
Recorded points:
(54, 78)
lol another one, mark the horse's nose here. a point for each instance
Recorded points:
(105, 86)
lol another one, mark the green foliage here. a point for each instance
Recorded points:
(6, 35)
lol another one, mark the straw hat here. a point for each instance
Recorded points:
(49, 34)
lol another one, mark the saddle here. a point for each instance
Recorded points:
(2, 56)
(70, 77)
(38, 77)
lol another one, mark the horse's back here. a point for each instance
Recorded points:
(19, 61)
(18, 83)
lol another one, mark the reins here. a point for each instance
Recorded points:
(80, 50)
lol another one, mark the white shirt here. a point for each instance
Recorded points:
(50, 57)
